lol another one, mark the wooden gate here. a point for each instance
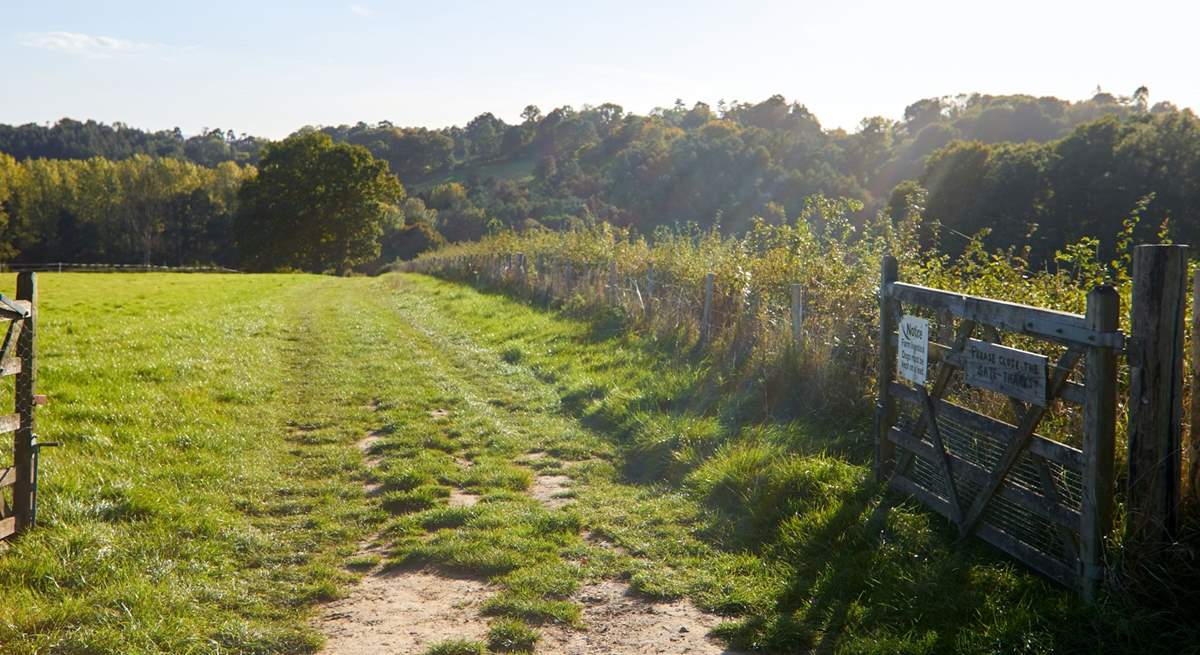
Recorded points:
(1045, 501)
(18, 481)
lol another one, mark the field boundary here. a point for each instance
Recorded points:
(737, 323)
(18, 357)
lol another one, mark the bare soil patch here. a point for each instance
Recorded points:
(367, 443)
(546, 489)
(619, 621)
(403, 613)
(460, 498)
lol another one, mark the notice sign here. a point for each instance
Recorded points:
(1009, 371)
(912, 357)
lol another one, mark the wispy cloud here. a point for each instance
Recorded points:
(84, 45)
(360, 10)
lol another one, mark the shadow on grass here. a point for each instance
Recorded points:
(777, 457)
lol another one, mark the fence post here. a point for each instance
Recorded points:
(1193, 445)
(706, 315)
(798, 316)
(885, 407)
(1099, 438)
(1155, 394)
(26, 384)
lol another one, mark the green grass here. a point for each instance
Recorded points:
(210, 491)
(770, 521)
(207, 492)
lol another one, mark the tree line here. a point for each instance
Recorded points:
(1011, 165)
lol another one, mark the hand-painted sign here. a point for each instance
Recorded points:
(1012, 372)
(912, 357)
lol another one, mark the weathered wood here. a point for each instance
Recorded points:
(1066, 533)
(885, 405)
(10, 423)
(1006, 542)
(26, 384)
(797, 292)
(942, 379)
(8, 526)
(1031, 556)
(1033, 416)
(1192, 447)
(1072, 392)
(1040, 446)
(1155, 394)
(8, 349)
(940, 384)
(1008, 371)
(706, 314)
(942, 459)
(1012, 491)
(1099, 437)
(8, 477)
(1062, 327)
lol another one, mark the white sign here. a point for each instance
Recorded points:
(912, 357)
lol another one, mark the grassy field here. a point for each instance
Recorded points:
(210, 495)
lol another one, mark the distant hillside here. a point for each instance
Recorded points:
(974, 162)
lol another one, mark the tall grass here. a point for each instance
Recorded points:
(655, 285)
(660, 279)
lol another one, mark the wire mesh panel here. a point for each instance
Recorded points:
(1004, 454)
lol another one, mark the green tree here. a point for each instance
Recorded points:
(315, 206)
(9, 170)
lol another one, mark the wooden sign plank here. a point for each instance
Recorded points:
(1014, 373)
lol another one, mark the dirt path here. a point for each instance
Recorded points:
(402, 612)
(619, 621)
(406, 612)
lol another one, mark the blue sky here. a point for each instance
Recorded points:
(268, 67)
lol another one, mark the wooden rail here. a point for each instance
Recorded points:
(18, 358)
(1070, 547)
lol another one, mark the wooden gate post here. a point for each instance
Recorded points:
(1155, 394)
(1099, 438)
(26, 384)
(1193, 445)
(885, 407)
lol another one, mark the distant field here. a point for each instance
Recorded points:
(517, 169)
(210, 492)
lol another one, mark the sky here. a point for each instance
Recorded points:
(268, 67)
